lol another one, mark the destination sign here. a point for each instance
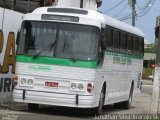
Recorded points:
(60, 18)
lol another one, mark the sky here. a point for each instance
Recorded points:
(147, 11)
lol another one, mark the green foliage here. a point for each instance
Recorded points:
(152, 49)
(146, 72)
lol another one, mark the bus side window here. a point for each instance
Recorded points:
(135, 44)
(141, 46)
(116, 39)
(109, 38)
(129, 43)
(123, 41)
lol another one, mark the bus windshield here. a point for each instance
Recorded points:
(58, 40)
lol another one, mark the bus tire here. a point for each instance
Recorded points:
(141, 86)
(127, 104)
(32, 107)
(98, 110)
(118, 105)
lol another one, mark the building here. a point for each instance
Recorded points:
(149, 58)
(146, 43)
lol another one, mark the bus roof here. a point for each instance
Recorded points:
(122, 26)
(103, 19)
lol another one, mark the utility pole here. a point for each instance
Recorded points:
(156, 83)
(13, 4)
(81, 4)
(133, 12)
(132, 3)
(28, 6)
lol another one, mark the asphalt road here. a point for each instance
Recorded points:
(141, 105)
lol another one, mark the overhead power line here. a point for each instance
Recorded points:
(120, 10)
(114, 6)
(147, 4)
(147, 10)
(5, 4)
(143, 11)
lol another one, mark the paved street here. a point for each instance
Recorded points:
(141, 105)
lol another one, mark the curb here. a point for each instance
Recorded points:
(147, 82)
(11, 106)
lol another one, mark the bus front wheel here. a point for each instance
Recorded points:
(99, 109)
(32, 107)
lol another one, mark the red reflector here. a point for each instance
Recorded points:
(51, 84)
(89, 87)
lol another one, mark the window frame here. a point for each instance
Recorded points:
(109, 43)
(116, 39)
(123, 41)
(128, 43)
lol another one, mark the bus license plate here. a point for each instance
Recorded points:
(51, 84)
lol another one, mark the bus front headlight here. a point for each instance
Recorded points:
(23, 81)
(73, 86)
(80, 86)
(30, 82)
(26, 82)
(77, 86)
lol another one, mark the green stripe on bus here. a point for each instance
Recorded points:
(56, 61)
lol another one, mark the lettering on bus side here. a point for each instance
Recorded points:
(8, 61)
(121, 60)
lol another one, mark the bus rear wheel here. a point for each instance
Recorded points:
(127, 104)
(32, 107)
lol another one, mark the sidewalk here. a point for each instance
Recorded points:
(13, 106)
(147, 82)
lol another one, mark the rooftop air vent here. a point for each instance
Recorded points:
(67, 10)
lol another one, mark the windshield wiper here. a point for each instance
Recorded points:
(48, 47)
(68, 49)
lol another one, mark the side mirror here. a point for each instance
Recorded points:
(18, 36)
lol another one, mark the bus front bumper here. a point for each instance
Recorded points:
(56, 99)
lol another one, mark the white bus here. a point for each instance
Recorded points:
(77, 58)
